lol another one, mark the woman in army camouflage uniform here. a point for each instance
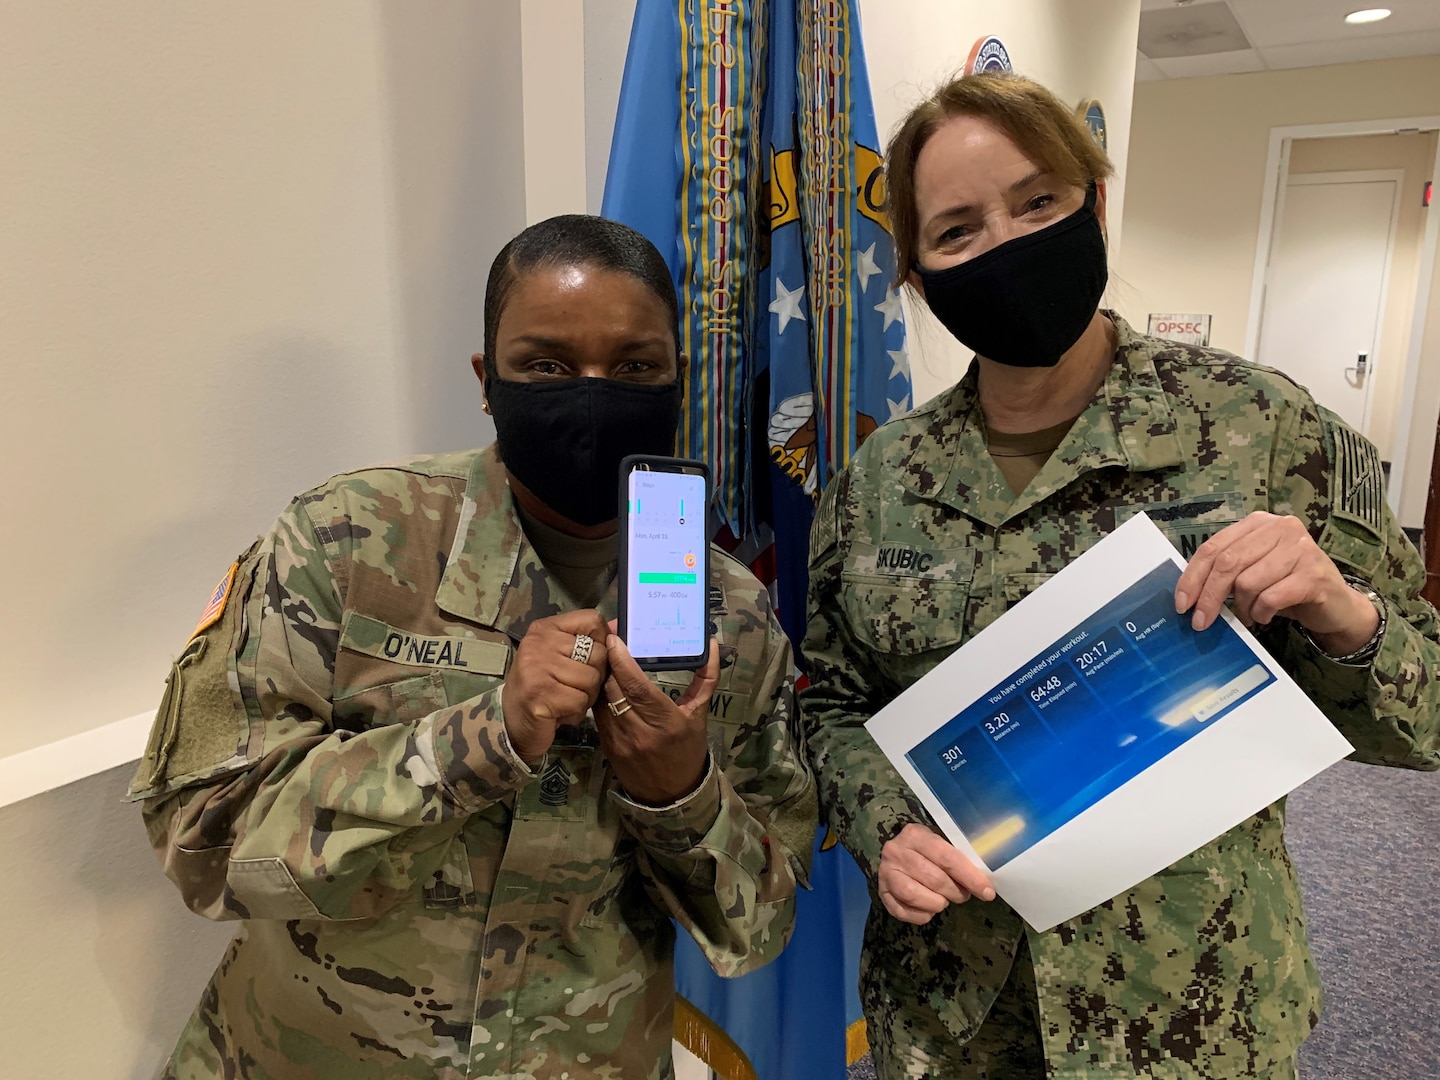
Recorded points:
(1067, 422)
(405, 748)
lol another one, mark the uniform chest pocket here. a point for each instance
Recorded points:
(905, 615)
(566, 833)
(386, 674)
(407, 699)
(1187, 523)
(1015, 587)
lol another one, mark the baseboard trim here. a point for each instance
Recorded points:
(66, 761)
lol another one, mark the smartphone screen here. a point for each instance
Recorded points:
(665, 567)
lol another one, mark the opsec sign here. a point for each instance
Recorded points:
(1188, 329)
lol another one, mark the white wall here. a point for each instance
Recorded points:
(1414, 155)
(1197, 162)
(241, 247)
(1079, 50)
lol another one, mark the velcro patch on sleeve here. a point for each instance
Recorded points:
(1359, 492)
(218, 599)
(823, 527)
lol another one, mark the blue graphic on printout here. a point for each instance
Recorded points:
(665, 602)
(1093, 710)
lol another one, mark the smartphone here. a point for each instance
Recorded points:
(664, 562)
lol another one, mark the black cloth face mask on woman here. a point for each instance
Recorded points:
(1026, 301)
(564, 440)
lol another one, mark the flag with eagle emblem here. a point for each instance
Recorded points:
(745, 148)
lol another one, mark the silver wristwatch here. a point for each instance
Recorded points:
(1362, 656)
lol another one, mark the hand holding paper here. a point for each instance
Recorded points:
(1127, 741)
(1274, 567)
(922, 873)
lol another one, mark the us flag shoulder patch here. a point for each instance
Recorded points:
(218, 599)
(1358, 475)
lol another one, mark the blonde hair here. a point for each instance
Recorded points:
(1046, 130)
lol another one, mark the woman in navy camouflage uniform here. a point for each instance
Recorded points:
(1068, 422)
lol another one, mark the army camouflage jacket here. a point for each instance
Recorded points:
(330, 765)
(1203, 970)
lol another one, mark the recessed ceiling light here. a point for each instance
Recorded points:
(1367, 15)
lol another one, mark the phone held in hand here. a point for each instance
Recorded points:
(664, 562)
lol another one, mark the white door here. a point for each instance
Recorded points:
(1325, 292)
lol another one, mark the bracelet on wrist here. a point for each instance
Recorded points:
(1362, 656)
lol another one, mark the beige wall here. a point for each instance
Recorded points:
(241, 247)
(553, 77)
(1414, 155)
(607, 36)
(102, 961)
(1078, 50)
(1197, 159)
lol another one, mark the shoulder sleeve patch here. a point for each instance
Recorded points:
(211, 735)
(1354, 532)
(1359, 482)
(822, 528)
(219, 597)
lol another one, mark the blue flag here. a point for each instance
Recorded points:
(745, 148)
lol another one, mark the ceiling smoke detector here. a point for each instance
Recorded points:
(1367, 15)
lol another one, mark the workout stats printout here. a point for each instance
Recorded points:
(1119, 745)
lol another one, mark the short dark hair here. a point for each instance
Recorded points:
(575, 240)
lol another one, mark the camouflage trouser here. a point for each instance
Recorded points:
(1286, 1070)
(1006, 1047)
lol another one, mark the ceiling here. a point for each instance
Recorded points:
(1221, 37)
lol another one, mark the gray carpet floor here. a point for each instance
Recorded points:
(1365, 841)
(1367, 845)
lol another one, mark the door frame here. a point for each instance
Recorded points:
(1353, 176)
(1277, 167)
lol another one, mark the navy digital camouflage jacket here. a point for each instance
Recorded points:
(1203, 970)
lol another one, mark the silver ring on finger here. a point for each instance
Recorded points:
(619, 707)
(581, 652)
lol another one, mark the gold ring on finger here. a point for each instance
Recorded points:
(619, 707)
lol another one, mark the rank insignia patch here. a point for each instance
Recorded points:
(555, 785)
(218, 599)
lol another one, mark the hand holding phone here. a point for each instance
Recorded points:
(656, 746)
(547, 686)
(664, 562)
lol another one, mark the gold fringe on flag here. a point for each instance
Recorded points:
(857, 1042)
(707, 1040)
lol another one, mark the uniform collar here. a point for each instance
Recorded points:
(493, 575)
(1129, 422)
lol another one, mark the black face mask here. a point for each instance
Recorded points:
(1029, 299)
(565, 440)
